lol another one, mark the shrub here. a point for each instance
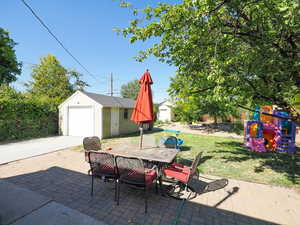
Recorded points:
(22, 117)
(238, 127)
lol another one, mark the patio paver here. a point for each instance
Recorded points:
(62, 176)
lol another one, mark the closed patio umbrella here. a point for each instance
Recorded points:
(143, 109)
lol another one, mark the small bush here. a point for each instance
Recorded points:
(161, 122)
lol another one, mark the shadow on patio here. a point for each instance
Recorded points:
(72, 189)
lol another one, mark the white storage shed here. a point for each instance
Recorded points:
(89, 114)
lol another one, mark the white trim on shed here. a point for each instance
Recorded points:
(114, 123)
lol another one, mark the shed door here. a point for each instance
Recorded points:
(114, 126)
(81, 121)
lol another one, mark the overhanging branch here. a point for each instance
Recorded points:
(218, 6)
(202, 90)
(268, 114)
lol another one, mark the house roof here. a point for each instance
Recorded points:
(167, 103)
(110, 101)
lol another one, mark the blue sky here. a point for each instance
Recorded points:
(86, 29)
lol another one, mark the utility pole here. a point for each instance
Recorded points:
(111, 81)
(111, 85)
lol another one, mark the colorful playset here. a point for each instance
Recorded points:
(275, 132)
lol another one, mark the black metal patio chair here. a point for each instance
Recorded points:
(132, 171)
(91, 144)
(103, 167)
(183, 175)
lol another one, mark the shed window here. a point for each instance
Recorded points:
(125, 114)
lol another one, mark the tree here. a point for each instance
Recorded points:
(227, 51)
(131, 89)
(52, 80)
(186, 110)
(190, 109)
(9, 66)
(7, 92)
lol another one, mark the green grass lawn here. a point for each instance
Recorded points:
(227, 157)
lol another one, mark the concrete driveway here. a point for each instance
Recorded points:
(25, 149)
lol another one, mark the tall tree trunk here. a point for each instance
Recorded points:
(215, 120)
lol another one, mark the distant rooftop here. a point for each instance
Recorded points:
(166, 100)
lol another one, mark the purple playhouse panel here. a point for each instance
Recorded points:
(284, 141)
(257, 144)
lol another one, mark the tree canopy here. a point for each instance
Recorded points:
(7, 92)
(52, 80)
(131, 89)
(9, 66)
(227, 52)
(190, 109)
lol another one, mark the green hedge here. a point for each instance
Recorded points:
(22, 118)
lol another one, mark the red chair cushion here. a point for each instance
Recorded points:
(136, 176)
(178, 174)
(150, 176)
(108, 169)
(104, 169)
(175, 164)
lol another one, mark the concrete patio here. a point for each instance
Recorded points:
(20, 206)
(62, 177)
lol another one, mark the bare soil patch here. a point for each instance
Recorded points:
(211, 129)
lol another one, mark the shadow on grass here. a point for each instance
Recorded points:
(185, 148)
(281, 162)
(189, 162)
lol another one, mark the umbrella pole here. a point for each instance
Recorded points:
(141, 134)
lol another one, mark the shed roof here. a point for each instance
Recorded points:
(110, 101)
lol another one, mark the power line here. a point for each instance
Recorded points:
(36, 64)
(59, 42)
